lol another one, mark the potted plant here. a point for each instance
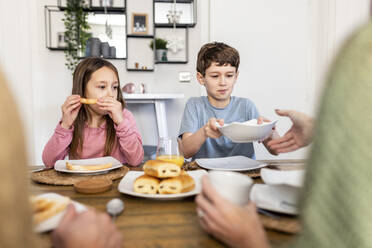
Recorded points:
(76, 34)
(160, 49)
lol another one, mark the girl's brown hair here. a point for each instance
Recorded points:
(82, 75)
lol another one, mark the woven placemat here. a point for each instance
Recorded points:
(54, 177)
(194, 166)
(283, 223)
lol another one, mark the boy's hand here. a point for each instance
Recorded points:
(262, 119)
(70, 110)
(211, 130)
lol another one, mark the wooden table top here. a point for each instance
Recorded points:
(151, 223)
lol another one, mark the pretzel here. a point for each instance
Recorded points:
(88, 101)
(45, 208)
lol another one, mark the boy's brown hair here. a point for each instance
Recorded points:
(82, 75)
(219, 53)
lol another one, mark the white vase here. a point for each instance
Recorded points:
(161, 55)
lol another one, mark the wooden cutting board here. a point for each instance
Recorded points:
(92, 186)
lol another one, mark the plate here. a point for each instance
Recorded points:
(126, 186)
(293, 178)
(277, 198)
(234, 163)
(52, 222)
(249, 131)
(60, 165)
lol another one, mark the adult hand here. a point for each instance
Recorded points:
(86, 229)
(211, 130)
(234, 225)
(113, 108)
(70, 110)
(299, 135)
(274, 135)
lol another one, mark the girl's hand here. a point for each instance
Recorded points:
(113, 108)
(70, 110)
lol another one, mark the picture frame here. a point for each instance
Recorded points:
(140, 23)
(61, 40)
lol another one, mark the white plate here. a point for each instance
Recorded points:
(52, 222)
(60, 165)
(126, 186)
(249, 131)
(277, 198)
(234, 163)
(293, 178)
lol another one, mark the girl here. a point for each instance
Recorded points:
(104, 128)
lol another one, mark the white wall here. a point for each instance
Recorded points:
(285, 46)
(15, 60)
(41, 82)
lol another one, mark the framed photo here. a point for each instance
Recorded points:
(139, 23)
(61, 38)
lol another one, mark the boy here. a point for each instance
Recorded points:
(217, 71)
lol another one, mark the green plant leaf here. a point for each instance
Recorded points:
(159, 44)
(76, 34)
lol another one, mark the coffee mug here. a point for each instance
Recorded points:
(233, 186)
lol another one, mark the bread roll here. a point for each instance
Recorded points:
(45, 208)
(88, 101)
(146, 185)
(91, 167)
(181, 184)
(161, 169)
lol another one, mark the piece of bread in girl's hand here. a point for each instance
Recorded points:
(161, 169)
(88, 101)
(44, 208)
(181, 184)
(90, 167)
(146, 184)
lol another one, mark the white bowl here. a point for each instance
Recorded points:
(242, 132)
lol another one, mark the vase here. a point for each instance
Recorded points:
(105, 49)
(93, 47)
(161, 55)
(112, 52)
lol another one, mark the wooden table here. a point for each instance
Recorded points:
(151, 223)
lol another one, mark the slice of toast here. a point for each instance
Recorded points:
(44, 208)
(91, 167)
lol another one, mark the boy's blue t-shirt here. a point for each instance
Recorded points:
(197, 113)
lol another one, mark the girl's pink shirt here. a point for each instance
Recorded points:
(129, 151)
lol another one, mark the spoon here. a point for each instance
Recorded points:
(114, 207)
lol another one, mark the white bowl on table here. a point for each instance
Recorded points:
(249, 131)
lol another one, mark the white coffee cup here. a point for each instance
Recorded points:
(233, 186)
